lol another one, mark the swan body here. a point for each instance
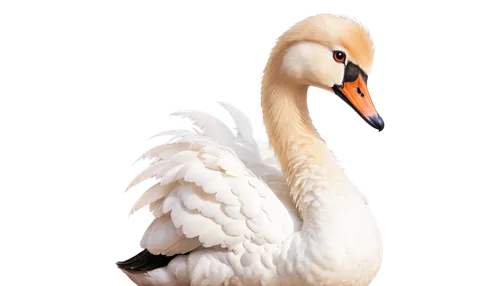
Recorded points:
(229, 210)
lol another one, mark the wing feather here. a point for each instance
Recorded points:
(243, 125)
(211, 191)
(152, 195)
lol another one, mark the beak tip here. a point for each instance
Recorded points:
(376, 122)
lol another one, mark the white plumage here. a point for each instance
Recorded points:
(225, 214)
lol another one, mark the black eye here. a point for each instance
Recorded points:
(339, 56)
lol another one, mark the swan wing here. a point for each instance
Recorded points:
(213, 190)
(255, 154)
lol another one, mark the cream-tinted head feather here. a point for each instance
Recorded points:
(304, 52)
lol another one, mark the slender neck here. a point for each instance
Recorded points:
(335, 223)
(311, 171)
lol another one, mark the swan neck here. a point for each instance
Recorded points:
(310, 170)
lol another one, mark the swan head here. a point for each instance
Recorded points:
(330, 52)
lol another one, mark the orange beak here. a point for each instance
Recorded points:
(356, 94)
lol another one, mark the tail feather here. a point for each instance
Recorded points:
(145, 261)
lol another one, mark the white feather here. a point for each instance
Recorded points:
(153, 194)
(243, 125)
(205, 195)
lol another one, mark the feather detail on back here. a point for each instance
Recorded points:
(243, 125)
(230, 129)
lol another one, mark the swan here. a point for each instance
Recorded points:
(231, 210)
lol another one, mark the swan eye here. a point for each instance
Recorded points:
(339, 56)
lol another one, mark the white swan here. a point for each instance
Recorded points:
(225, 214)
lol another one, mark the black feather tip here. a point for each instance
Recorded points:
(142, 260)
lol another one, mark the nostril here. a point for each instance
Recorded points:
(359, 92)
